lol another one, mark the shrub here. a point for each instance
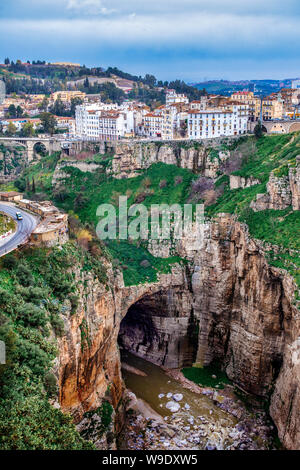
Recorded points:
(33, 357)
(57, 324)
(74, 299)
(9, 261)
(24, 275)
(33, 294)
(50, 384)
(30, 314)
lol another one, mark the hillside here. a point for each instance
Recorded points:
(170, 184)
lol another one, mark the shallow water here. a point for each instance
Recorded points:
(157, 382)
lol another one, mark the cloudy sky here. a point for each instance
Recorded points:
(188, 39)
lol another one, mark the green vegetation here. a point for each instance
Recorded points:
(281, 228)
(161, 183)
(40, 174)
(207, 376)
(33, 293)
(96, 428)
(137, 264)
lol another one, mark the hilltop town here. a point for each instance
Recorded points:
(101, 105)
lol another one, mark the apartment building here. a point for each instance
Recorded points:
(65, 122)
(211, 123)
(199, 104)
(153, 125)
(19, 123)
(290, 97)
(271, 108)
(248, 98)
(296, 84)
(66, 96)
(95, 123)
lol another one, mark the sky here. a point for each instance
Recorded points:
(193, 40)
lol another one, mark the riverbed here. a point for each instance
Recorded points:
(181, 418)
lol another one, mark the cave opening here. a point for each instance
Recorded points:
(157, 329)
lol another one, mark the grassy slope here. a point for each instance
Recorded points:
(84, 192)
(280, 228)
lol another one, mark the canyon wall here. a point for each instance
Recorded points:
(88, 367)
(131, 158)
(227, 304)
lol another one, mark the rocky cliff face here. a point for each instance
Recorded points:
(282, 192)
(89, 363)
(130, 158)
(228, 304)
(12, 161)
(59, 173)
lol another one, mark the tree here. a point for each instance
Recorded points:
(12, 111)
(11, 129)
(258, 130)
(86, 83)
(48, 122)
(7, 61)
(150, 80)
(27, 130)
(33, 186)
(43, 106)
(59, 108)
(19, 112)
(75, 102)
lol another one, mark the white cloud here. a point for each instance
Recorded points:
(89, 7)
(212, 31)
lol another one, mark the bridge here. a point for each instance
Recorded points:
(29, 143)
(278, 127)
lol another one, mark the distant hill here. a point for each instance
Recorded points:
(260, 87)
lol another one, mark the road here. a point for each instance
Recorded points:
(24, 228)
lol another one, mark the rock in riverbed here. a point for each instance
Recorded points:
(173, 406)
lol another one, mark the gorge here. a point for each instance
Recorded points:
(233, 300)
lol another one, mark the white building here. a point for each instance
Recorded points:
(210, 123)
(94, 123)
(173, 97)
(153, 125)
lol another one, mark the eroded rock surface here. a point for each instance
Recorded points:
(226, 304)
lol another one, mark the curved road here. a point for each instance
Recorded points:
(24, 228)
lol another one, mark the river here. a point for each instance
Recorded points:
(198, 424)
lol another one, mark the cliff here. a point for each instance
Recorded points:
(227, 304)
(131, 158)
(282, 191)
